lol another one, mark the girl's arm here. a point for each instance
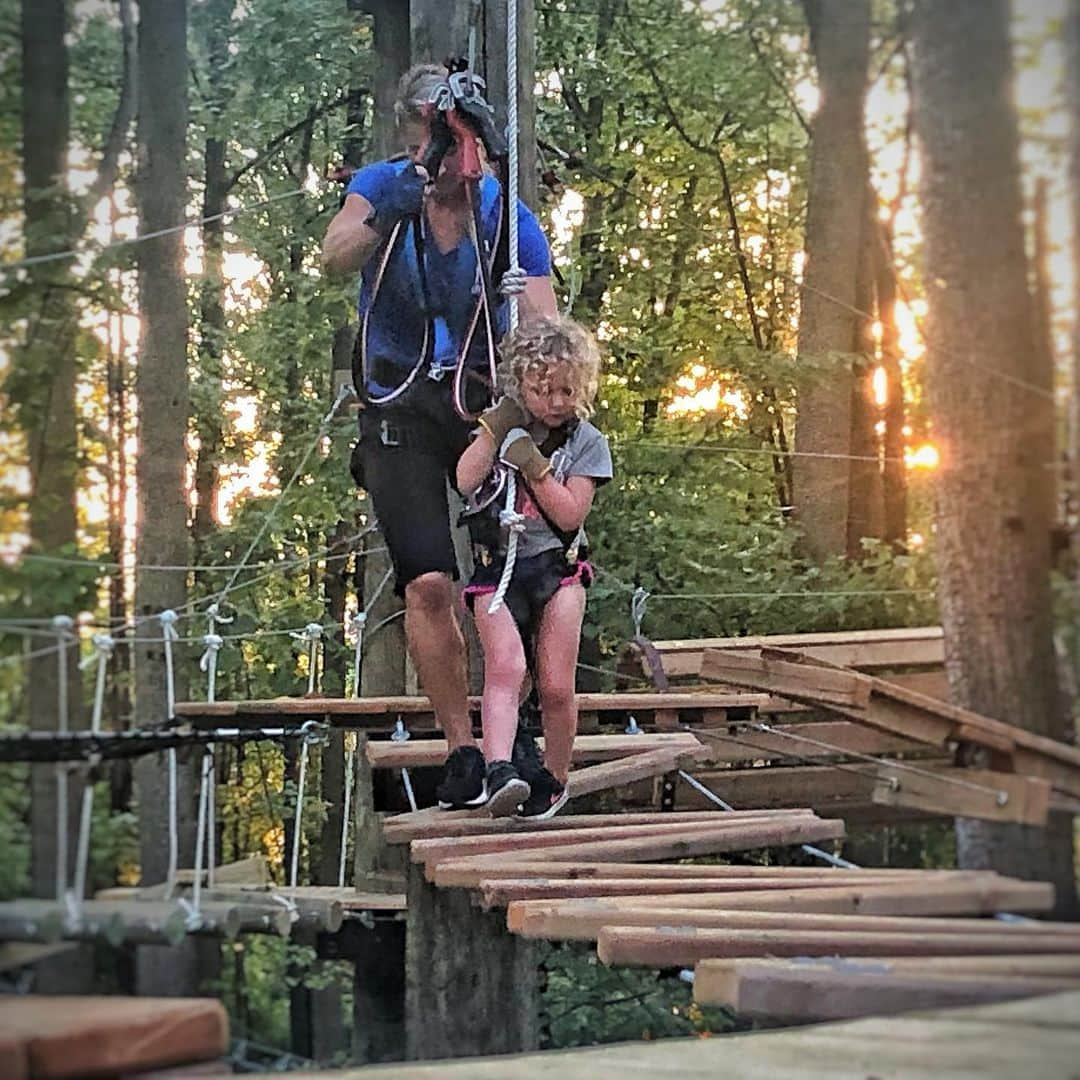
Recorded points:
(566, 504)
(475, 463)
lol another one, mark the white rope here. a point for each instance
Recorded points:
(638, 604)
(512, 143)
(509, 519)
(200, 829)
(168, 632)
(63, 626)
(816, 852)
(346, 808)
(310, 733)
(358, 622)
(312, 634)
(103, 646)
(400, 735)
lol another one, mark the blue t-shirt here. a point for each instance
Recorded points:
(397, 321)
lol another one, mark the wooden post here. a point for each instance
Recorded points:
(471, 987)
(494, 70)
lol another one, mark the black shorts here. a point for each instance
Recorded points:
(406, 453)
(533, 583)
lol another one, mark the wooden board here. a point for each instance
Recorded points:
(804, 992)
(81, 1036)
(903, 712)
(582, 921)
(685, 946)
(1037, 1040)
(691, 844)
(968, 895)
(416, 753)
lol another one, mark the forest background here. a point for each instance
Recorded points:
(774, 472)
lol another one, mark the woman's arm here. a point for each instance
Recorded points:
(568, 504)
(475, 463)
(349, 243)
(538, 300)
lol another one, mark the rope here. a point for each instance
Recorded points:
(809, 849)
(401, 734)
(73, 253)
(346, 809)
(62, 626)
(103, 644)
(512, 147)
(168, 629)
(312, 633)
(511, 520)
(200, 828)
(310, 733)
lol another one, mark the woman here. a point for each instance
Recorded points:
(429, 325)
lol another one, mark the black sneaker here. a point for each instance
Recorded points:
(506, 789)
(546, 799)
(526, 756)
(462, 785)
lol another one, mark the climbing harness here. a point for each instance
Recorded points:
(458, 114)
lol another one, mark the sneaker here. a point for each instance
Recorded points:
(462, 785)
(506, 789)
(547, 798)
(526, 756)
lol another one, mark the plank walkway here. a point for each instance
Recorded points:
(1037, 1039)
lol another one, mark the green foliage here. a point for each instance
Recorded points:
(585, 1003)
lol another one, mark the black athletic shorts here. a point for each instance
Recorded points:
(534, 582)
(406, 453)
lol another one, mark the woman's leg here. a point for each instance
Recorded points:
(504, 671)
(557, 641)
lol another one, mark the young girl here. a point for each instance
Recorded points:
(549, 377)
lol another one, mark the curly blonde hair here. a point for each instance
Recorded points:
(536, 347)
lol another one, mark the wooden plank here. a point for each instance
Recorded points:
(1038, 964)
(974, 793)
(418, 753)
(402, 828)
(970, 894)
(498, 892)
(698, 842)
(612, 774)
(685, 946)
(844, 737)
(470, 872)
(91, 1036)
(18, 954)
(523, 843)
(818, 685)
(801, 993)
(582, 920)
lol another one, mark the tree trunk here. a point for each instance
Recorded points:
(1072, 97)
(990, 406)
(893, 469)
(865, 510)
(46, 400)
(162, 386)
(840, 35)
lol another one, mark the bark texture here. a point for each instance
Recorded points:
(989, 407)
(840, 37)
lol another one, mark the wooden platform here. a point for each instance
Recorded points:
(52, 1038)
(1037, 1040)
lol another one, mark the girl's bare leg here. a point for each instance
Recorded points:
(557, 642)
(504, 670)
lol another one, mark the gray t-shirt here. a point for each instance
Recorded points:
(585, 453)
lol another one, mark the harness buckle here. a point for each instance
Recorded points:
(437, 372)
(389, 434)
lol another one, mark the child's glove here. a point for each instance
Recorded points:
(520, 452)
(505, 414)
(512, 283)
(403, 197)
